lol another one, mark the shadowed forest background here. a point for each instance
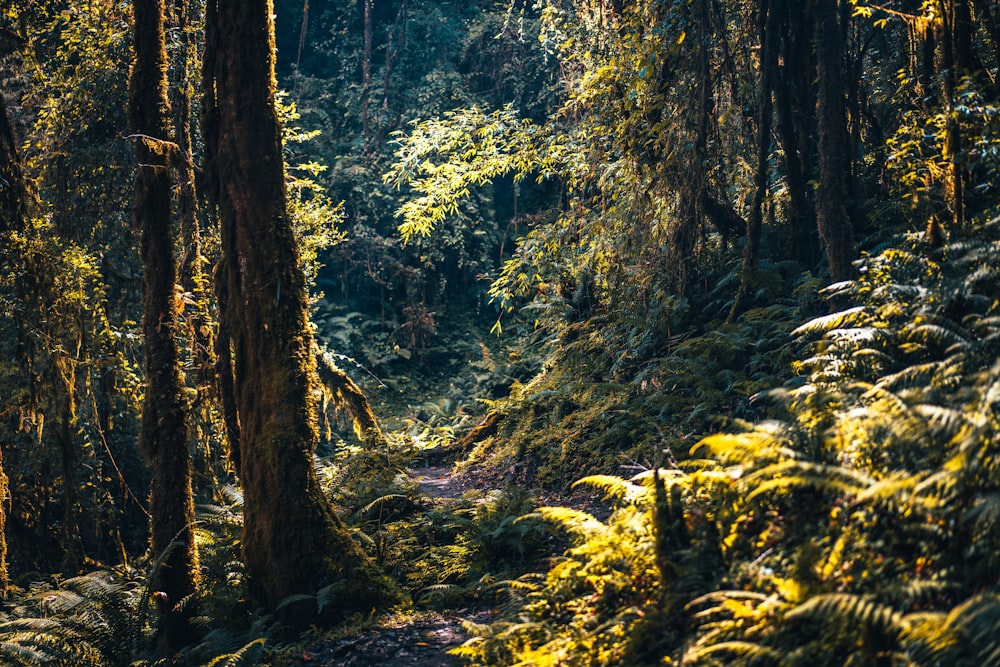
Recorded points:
(661, 332)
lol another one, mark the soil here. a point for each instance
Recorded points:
(440, 482)
(424, 639)
(415, 640)
(420, 641)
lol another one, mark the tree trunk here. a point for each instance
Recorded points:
(768, 61)
(163, 436)
(194, 279)
(13, 197)
(832, 217)
(12, 214)
(292, 543)
(366, 81)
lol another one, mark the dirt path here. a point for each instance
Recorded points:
(438, 482)
(420, 640)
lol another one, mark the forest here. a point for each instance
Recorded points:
(500, 333)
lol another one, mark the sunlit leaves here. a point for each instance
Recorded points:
(442, 160)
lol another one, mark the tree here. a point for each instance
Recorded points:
(163, 437)
(832, 217)
(12, 211)
(292, 543)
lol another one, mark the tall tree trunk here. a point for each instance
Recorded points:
(13, 210)
(292, 543)
(163, 436)
(832, 217)
(366, 80)
(194, 279)
(988, 15)
(766, 27)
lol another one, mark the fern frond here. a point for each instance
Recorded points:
(944, 421)
(428, 593)
(934, 334)
(754, 445)
(833, 321)
(897, 487)
(790, 474)
(856, 335)
(249, 652)
(294, 599)
(381, 500)
(747, 650)
(13, 652)
(968, 634)
(858, 610)
(614, 487)
(719, 597)
(574, 522)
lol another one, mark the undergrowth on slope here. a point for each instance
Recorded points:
(856, 525)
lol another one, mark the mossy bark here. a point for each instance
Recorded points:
(832, 212)
(348, 395)
(163, 437)
(193, 275)
(293, 543)
(767, 29)
(13, 210)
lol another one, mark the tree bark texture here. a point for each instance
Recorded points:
(793, 115)
(293, 543)
(768, 62)
(12, 212)
(194, 279)
(163, 436)
(832, 217)
(12, 187)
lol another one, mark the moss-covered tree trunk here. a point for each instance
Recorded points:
(293, 543)
(766, 28)
(832, 216)
(193, 271)
(12, 212)
(163, 437)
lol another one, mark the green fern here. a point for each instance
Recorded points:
(248, 654)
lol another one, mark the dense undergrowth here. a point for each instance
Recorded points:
(784, 485)
(844, 514)
(857, 525)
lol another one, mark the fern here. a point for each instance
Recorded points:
(830, 322)
(576, 523)
(968, 634)
(750, 651)
(616, 488)
(248, 654)
(792, 474)
(95, 619)
(858, 610)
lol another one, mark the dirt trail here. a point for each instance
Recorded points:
(422, 640)
(408, 642)
(438, 482)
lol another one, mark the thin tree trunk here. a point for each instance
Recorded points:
(163, 436)
(832, 217)
(292, 543)
(766, 24)
(194, 279)
(366, 80)
(391, 52)
(957, 60)
(13, 210)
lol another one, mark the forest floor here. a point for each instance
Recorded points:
(409, 640)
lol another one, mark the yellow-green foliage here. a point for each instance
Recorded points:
(616, 596)
(859, 527)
